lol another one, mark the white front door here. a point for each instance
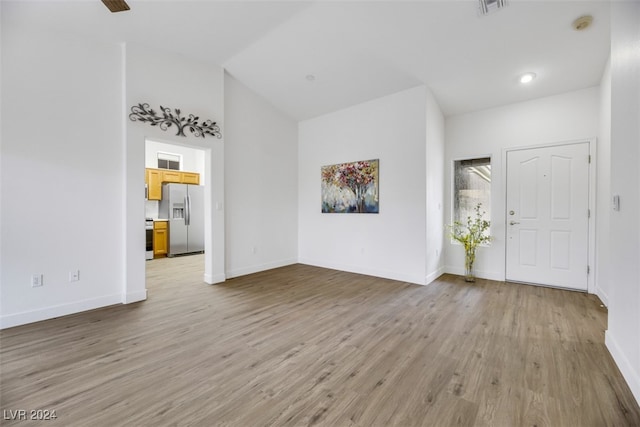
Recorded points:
(547, 216)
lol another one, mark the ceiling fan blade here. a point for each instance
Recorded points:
(116, 5)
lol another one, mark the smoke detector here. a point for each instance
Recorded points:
(489, 6)
(582, 23)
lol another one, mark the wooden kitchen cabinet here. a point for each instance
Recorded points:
(160, 239)
(171, 176)
(190, 178)
(154, 184)
(156, 177)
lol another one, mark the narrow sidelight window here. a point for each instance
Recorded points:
(472, 185)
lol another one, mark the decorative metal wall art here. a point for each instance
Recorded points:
(142, 113)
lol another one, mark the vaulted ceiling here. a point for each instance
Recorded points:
(357, 50)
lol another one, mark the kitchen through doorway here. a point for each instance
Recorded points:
(174, 210)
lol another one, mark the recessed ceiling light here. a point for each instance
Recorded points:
(527, 77)
(310, 77)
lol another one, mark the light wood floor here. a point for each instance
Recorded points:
(302, 345)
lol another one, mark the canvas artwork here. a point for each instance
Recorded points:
(350, 187)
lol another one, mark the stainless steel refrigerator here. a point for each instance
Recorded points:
(183, 206)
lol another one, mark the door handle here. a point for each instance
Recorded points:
(188, 216)
(513, 223)
(186, 210)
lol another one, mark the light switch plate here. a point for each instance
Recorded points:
(37, 280)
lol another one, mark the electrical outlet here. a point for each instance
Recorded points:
(74, 275)
(37, 280)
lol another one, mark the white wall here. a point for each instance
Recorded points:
(603, 189)
(160, 78)
(62, 174)
(435, 190)
(623, 335)
(389, 244)
(484, 133)
(261, 177)
(73, 167)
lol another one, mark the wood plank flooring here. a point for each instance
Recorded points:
(306, 346)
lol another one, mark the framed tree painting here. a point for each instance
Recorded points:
(350, 187)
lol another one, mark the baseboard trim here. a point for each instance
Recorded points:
(366, 271)
(132, 297)
(260, 267)
(212, 279)
(631, 375)
(433, 276)
(603, 296)
(17, 319)
(489, 275)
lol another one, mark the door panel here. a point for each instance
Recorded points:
(560, 250)
(547, 216)
(196, 224)
(177, 211)
(528, 250)
(529, 188)
(560, 187)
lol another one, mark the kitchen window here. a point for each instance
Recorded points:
(169, 161)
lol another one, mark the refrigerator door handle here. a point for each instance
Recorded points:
(188, 210)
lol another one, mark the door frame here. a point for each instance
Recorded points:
(212, 272)
(591, 249)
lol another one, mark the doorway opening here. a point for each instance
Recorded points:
(175, 178)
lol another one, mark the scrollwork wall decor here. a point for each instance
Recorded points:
(142, 113)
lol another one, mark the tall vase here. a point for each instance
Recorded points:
(469, 258)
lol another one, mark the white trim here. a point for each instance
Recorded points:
(212, 279)
(260, 267)
(602, 295)
(417, 280)
(593, 169)
(123, 188)
(433, 276)
(591, 286)
(481, 274)
(132, 297)
(631, 375)
(17, 319)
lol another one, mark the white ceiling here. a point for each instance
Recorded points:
(358, 50)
